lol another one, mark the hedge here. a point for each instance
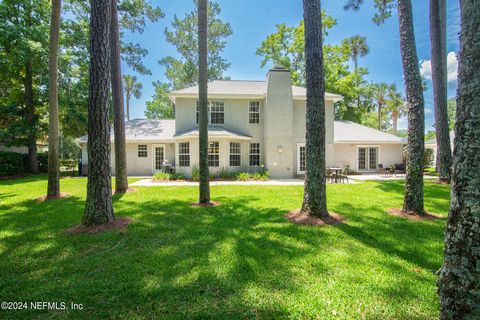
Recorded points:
(13, 163)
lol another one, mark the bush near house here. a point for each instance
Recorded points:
(13, 163)
(164, 176)
(428, 157)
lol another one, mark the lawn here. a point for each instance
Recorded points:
(237, 261)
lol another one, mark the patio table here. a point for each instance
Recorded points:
(337, 171)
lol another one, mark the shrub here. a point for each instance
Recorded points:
(177, 176)
(243, 176)
(428, 157)
(195, 173)
(262, 175)
(224, 173)
(42, 161)
(161, 176)
(11, 163)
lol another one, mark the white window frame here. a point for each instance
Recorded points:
(138, 151)
(300, 145)
(254, 104)
(154, 158)
(214, 154)
(239, 154)
(184, 154)
(251, 154)
(368, 157)
(212, 104)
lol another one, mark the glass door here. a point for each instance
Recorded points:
(367, 158)
(158, 157)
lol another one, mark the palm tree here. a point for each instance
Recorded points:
(397, 107)
(380, 93)
(132, 88)
(121, 180)
(98, 206)
(314, 197)
(413, 198)
(53, 188)
(459, 277)
(358, 48)
(204, 189)
(438, 37)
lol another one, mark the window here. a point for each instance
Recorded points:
(254, 112)
(302, 165)
(216, 112)
(184, 154)
(213, 154)
(254, 154)
(217, 109)
(142, 151)
(235, 154)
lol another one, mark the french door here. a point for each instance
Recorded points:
(158, 157)
(367, 158)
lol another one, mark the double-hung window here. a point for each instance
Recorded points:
(235, 154)
(142, 151)
(254, 155)
(254, 112)
(213, 154)
(184, 154)
(215, 110)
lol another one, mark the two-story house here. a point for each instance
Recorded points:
(251, 123)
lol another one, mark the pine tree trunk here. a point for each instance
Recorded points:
(413, 199)
(121, 180)
(203, 102)
(438, 37)
(31, 119)
(314, 196)
(53, 188)
(459, 277)
(98, 207)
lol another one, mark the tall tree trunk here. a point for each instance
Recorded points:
(98, 207)
(31, 118)
(395, 121)
(413, 199)
(314, 195)
(203, 102)
(121, 180)
(438, 37)
(459, 277)
(53, 188)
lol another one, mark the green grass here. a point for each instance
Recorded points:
(236, 261)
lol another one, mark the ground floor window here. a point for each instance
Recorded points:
(254, 155)
(142, 151)
(301, 156)
(184, 154)
(367, 158)
(235, 154)
(213, 154)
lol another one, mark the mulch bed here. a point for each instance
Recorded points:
(399, 212)
(299, 217)
(120, 224)
(45, 198)
(211, 204)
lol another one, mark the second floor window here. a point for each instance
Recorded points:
(216, 112)
(184, 154)
(254, 112)
(213, 154)
(254, 156)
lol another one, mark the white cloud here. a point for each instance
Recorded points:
(428, 110)
(452, 68)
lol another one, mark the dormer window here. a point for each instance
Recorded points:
(254, 112)
(216, 112)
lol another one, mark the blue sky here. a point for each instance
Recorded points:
(253, 20)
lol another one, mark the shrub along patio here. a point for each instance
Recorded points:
(240, 260)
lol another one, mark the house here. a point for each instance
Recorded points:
(432, 144)
(251, 123)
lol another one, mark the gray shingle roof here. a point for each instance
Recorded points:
(351, 132)
(214, 131)
(434, 140)
(145, 130)
(243, 88)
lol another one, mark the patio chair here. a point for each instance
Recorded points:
(381, 170)
(399, 169)
(329, 175)
(343, 176)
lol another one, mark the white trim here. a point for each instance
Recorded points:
(154, 156)
(299, 144)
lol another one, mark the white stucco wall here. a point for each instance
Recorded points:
(346, 153)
